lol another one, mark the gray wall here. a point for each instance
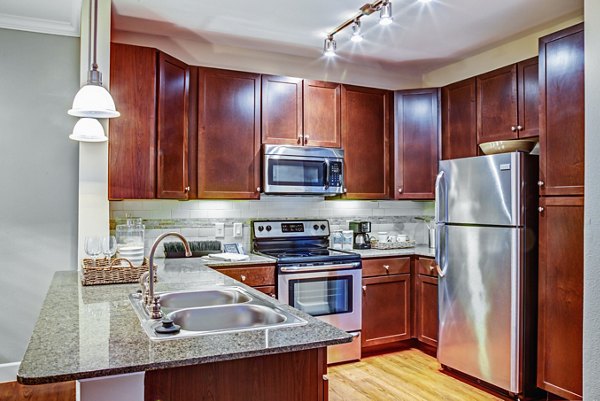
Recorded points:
(39, 75)
(591, 291)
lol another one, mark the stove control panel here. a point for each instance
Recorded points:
(290, 228)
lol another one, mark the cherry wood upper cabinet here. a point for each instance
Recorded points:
(282, 110)
(366, 122)
(228, 134)
(560, 317)
(172, 128)
(132, 144)
(322, 114)
(561, 76)
(497, 105)
(459, 119)
(529, 98)
(416, 139)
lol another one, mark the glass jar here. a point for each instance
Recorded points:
(348, 236)
(130, 241)
(337, 240)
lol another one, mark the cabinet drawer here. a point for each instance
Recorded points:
(425, 266)
(253, 276)
(385, 266)
(267, 289)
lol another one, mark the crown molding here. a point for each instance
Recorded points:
(53, 27)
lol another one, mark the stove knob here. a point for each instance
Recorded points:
(268, 228)
(260, 228)
(323, 226)
(315, 227)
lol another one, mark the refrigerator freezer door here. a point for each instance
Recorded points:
(479, 303)
(480, 190)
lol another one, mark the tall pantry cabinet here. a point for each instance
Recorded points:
(560, 320)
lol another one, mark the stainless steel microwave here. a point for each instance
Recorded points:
(303, 170)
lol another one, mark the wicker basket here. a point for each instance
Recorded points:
(394, 245)
(115, 271)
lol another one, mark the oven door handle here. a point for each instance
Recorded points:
(301, 269)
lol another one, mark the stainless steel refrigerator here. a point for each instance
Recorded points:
(486, 215)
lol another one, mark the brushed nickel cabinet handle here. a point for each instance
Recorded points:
(273, 295)
(306, 139)
(432, 266)
(257, 189)
(540, 183)
(519, 128)
(400, 190)
(243, 278)
(299, 140)
(187, 189)
(513, 128)
(540, 209)
(364, 288)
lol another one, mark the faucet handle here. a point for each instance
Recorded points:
(155, 312)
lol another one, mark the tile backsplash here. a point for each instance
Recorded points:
(196, 219)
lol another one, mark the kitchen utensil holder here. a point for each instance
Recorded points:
(112, 271)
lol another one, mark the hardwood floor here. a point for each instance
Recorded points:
(13, 391)
(409, 375)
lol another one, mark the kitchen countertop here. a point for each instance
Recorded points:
(85, 332)
(419, 250)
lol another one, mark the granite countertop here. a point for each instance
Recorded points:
(419, 250)
(85, 332)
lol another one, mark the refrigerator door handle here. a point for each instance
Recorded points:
(438, 196)
(440, 247)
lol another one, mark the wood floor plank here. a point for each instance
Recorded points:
(13, 391)
(409, 375)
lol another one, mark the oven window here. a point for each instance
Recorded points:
(322, 296)
(296, 173)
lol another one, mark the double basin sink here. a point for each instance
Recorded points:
(223, 309)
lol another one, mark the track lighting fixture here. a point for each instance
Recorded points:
(356, 35)
(385, 13)
(329, 47)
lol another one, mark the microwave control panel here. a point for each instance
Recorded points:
(335, 174)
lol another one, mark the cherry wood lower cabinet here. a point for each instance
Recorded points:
(560, 319)
(366, 124)
(426, 301)
(416, 139)
(228, 134)
(561, 74)
(459, 119)
(294, 376)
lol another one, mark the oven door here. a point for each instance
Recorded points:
(332, 296)
(301, 175)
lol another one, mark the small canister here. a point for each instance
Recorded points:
(347, 243)
(337, 240)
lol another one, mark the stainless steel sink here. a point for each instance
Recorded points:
(225, 309)
(172, 301)
(226, 317)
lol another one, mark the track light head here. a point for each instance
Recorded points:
(385, 13)
(329, 47)
(356, 35)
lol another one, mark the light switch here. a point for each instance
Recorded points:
(237, 230)
(219, 230)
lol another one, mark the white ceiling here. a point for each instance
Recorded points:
(422, 35)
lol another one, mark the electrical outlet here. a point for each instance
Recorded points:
(237, 230)
(219, 230)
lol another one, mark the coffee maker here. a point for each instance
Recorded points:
(361, 230)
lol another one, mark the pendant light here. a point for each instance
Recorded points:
(88, 130)
(93, 100)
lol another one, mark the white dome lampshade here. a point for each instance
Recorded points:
(88, 130)
(93, 101)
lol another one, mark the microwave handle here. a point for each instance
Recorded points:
(327, 173)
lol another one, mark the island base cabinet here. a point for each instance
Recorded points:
(293, 376)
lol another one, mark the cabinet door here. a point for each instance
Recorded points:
(365, 139)
(172, 128)
(459, 120)
(560, 331)
(132, 144)
(529, 98)
(497, 105)
(426, 309)
(228, 134)
(281, 110)
(322, 114)
(386, 310)
(416, 143)
(562, 112)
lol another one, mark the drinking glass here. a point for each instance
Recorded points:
(93, 247)
(109, 246)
